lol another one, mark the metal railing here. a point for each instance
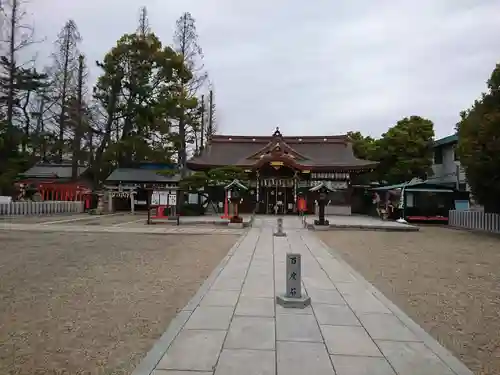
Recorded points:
(475, 220)
(40, 208)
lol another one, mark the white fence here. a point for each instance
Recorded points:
(40, 208)
(475, 220)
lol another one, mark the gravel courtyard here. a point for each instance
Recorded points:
(447, 280)
(87, 303)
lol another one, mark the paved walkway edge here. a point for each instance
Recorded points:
(444, 354)
(166, 230)
(147, 365)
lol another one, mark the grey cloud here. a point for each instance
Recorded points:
(321, 67)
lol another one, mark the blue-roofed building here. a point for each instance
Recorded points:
(446, 166)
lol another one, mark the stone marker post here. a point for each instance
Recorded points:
(100, 204)
(110, 201)
(279, 232)
(293, 297)
(132, 202)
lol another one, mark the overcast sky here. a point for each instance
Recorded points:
(316, 67)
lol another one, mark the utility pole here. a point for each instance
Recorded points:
(210, 115)
(202, 108)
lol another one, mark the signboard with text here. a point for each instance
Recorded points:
(293, 276)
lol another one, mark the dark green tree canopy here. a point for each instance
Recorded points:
(403, 152)
(479, 145)
(140, 75)
(363, 147)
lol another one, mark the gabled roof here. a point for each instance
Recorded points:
(236, 183)
(322, 185)
(446, 140)
(47, 170)
(309, 151)
(140, 175)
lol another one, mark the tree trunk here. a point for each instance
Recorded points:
(107, 133)
(27, 122)
(40, 127)
(91, 145)
(12, 65)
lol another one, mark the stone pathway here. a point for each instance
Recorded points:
(233, 326)
(119, 229)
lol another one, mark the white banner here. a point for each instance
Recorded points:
(172, 199)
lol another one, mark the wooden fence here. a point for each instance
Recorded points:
(475, 220)
(40, 208)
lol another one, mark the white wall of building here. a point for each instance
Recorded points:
(445, 168)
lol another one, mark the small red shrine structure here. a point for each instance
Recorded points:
(53, 182)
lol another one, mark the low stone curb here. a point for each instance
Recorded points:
(367, 228)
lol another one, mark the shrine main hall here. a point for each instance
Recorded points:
(281, 169)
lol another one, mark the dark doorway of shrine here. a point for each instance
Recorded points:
(279, 200)
(277, 189)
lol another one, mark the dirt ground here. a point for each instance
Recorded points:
(86, 303)
(447, 280)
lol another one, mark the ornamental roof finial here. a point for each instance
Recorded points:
(277, 132)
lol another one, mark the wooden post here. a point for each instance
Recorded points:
(148, 203)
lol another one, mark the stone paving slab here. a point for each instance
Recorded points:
(233, 325)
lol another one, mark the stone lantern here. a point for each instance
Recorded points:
(322, 192)
(235, 192)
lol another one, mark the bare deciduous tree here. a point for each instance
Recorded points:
(64, 72)
(186, 44)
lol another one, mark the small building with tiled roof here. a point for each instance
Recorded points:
(281, 168)
(53, 181)
(128, 187)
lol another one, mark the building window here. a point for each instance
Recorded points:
(438, 155)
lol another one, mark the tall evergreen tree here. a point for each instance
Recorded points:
(138, 88)
(479, 145)
(405, 150)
